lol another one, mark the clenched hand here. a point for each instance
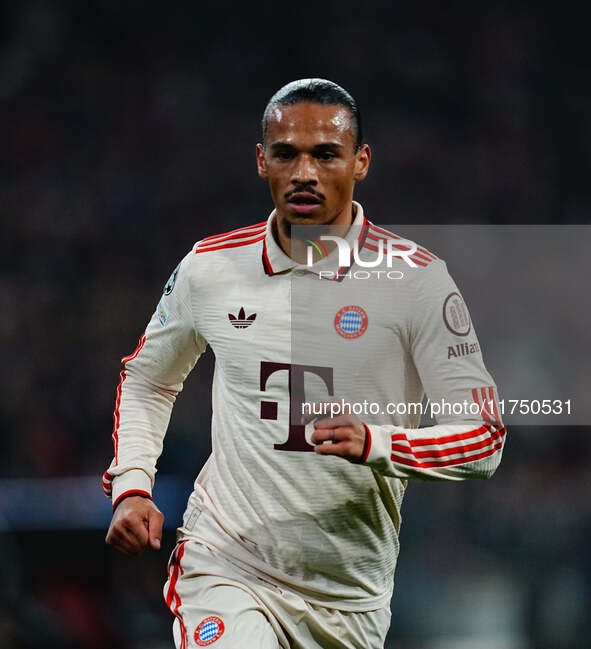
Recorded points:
(136, 523)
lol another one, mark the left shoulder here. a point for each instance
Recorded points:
(424, 274)
(417, 254)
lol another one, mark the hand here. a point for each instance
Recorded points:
(347, 434)
(136, 523)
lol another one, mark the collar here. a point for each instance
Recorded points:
(275, 261)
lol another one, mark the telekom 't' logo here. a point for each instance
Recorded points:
(296, 440)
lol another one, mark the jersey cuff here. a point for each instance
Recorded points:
(379, 451)
(366, 445)
(128, 494)
(132, 480)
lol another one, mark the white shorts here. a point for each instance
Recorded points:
(217, 603)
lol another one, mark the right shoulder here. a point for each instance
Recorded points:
(232, 239)
(222, 255)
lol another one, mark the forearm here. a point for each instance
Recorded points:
(444, 452)
(141, 417)
(151, 378)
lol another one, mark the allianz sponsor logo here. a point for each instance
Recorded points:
(462, 349)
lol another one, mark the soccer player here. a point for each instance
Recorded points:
(290, 537)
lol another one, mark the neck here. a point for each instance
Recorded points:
(297, 248)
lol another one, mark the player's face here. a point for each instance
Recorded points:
(310, 162)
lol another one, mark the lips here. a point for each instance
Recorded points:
(304, 198)
(304, 202)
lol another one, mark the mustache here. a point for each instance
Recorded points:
(307, 190)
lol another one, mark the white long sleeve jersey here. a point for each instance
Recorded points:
(286, 334)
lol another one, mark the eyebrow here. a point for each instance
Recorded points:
(316, 147)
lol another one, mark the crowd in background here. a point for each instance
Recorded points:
(127, 132)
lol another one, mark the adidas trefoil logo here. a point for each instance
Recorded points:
(241, 321)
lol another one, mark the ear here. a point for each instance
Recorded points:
(261, 162)
(362, 160)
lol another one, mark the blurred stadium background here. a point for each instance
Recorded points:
(127, 132)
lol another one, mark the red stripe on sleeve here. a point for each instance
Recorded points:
(375, 228)
(399, 437)
(491, 393)
(239, 235)
(446, 453)
(122, 377)
(231, 245)
(382, 231)
(420, 255)
(376, 249)
(106, 482)
(487, 411)
(495, 436)
(225, 234)
(461, 443)
(417, 255)
(439, 464)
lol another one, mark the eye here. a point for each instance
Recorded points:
(283, 155)
(325, 155)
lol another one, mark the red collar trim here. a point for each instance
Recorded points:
(266, 263)
(339, 275)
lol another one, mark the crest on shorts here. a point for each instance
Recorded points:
(350, 321)
(209, 630)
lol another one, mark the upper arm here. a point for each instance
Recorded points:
(446, 351)
(172, 342)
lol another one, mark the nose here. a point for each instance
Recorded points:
(304, 171)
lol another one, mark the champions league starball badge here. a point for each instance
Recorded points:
(350, 321)
(171, 281)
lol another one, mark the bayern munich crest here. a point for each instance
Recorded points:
(208, 631)
(351, 321)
